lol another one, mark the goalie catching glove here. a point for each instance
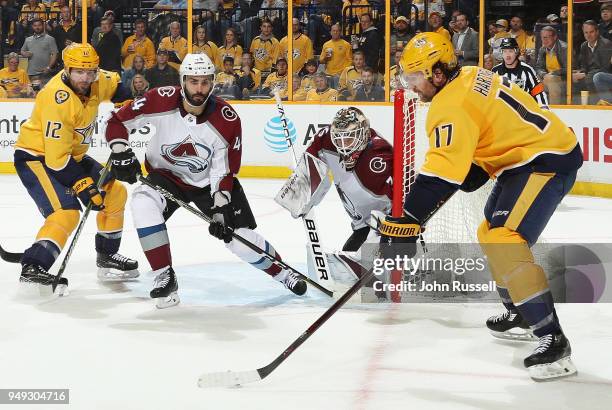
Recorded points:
(398, 236)
(222, 224)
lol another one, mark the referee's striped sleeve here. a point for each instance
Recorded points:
(535, 87)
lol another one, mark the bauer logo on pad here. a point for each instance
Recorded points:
(274, 134)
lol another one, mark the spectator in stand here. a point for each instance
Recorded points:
(109, 47)
(369, 42)
(175, 44)
(97, 32)
(138, 67)
(336, 54)
(436, 6)
(302, 47)
(203, 46)
(9, 25)
(369, 91)
(227, 80)
(352, 11)
(138, 86)
(350, 78)
(491, 30)
(401, 34)
(14, 79)
(41, 52)
(488, 62)
(138, 43)
(277, 81)
(265, 48)
(322, 92)
(563, 14)
(249, 76)
(65, 32)
(521, 37)
(395, 82)
(552, 63)
(299, 93)
(465, 42)
(594, 57)
(170, 4)
(229, 48)
(310, 70)
(400, 8)
(31, 11)
(501, 27)
(605, 27)
(435, 25)
(162, 74)
(452, 29)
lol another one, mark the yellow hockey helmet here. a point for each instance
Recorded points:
(426, 50)
(80, 55)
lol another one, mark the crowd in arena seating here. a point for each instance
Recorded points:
(338, 45)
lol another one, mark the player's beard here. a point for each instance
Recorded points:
(197, 99)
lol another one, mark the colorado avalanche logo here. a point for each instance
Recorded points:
(228, 114)
(186, 154)
(377, 165)
(348, 205)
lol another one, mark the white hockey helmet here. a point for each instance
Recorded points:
(198, 65)
(350, 134)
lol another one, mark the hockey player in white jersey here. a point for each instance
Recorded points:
(195, 155)
(361, 163)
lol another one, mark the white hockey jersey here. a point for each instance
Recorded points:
(368, 186)
(194, 151)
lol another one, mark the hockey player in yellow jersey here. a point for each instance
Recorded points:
(52, 162)
(482, 126)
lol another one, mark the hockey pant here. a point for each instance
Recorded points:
(151, 210)
(60, 208)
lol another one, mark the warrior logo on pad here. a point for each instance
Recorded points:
(187, 153)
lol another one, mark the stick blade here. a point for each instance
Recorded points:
(228, 378)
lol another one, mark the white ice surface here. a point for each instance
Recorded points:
(114, 350)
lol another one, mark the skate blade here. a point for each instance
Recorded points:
(561, 368)
(38, 292)
(168, 301)
(108, 275)
(526, 336)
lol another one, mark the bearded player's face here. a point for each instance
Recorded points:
(81, 79)
(198, 87)
(417, 83)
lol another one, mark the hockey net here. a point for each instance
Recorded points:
(455, 223)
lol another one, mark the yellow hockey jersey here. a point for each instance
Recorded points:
(302, 51)
(62, 124)
(265, 52)
(483, 118)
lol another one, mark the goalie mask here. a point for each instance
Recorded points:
(350, 134)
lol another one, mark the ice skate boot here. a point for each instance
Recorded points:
(165, 289)
(116, 268)
(551, 359)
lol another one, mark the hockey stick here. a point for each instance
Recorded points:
(230, 378)
(11, 257)
(317, 259)
(79, 228)
(275, 260)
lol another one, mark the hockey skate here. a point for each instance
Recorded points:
(36, 281)
(551, 359)
(292, 282)
(510, 326)
(165, 289)
(116, 268)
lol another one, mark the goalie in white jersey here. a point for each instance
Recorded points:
(195, 155)
(361, 163)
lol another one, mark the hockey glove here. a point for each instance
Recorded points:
(124, 164)
(398, 236)
(222, 224)
(88, 193)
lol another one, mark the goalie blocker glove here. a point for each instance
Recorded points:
(222, 224)
(398, 236)
(124, 164)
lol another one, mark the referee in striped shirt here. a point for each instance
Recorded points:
(519, 72)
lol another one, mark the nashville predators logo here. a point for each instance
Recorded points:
(61, 96)
(261, 54)
(87, 132)
(420, 43)
(296, 53)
